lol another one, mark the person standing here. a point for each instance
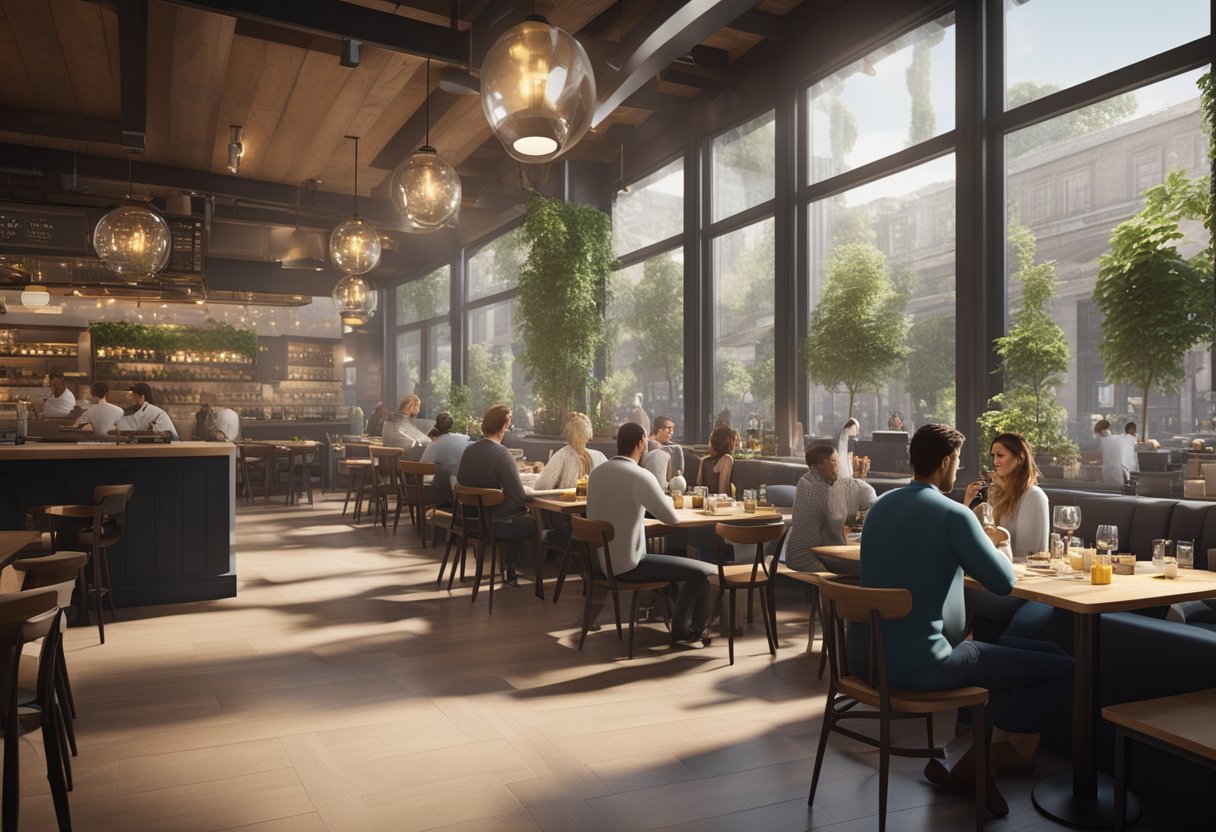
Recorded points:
(145, 416)
(1127, 448)
(61, 401)
(1112, 454)
(619, 492)
(101, 415)
(845, 443)
(638, 414)
(823, 503)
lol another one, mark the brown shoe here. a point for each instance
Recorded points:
(1005, 757)
(961, 778)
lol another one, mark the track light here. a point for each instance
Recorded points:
(236, 148)
(350, 52)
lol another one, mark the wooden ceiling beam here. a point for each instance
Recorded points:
(133, 73)
(345, 20)
(649, 98)
(764, 24)
(63, 126)
(686, 27)
(413, 133)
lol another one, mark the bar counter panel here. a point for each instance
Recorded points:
(180, 540)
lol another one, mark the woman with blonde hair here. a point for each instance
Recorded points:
(574, 459)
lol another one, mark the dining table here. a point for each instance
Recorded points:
(297, 452)
(1086, 797)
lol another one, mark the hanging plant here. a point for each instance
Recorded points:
(167, 339)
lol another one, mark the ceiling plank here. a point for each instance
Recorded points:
(17, 89)
(201, 46)
(86, 52)
(133, 69)
(413, 133)
(685, 28)
(345, 20)
(764, 24)
(33, 27)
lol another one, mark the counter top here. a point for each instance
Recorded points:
(110, 450)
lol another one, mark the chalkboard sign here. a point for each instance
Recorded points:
(186, 253)
(61, 230)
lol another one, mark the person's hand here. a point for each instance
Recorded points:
(973, 490)
(997, 535)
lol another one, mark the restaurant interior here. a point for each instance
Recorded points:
(321, 322)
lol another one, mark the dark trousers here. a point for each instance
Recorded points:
(692, 603)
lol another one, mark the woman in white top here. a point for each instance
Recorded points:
(1020, 509)
(851, 428)
(572, 461)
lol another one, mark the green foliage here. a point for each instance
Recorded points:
(489, 379)
(1157, 304)
(842, 126)
(428, 297)
(732, 381)
(563, 293)
(858, 334)
(460, 405)
(931, 366)
(919, 77)
(654, 317)
(162, 339)
(1033, 360)
(1081, 122)
(1207, 98)
(615, 392)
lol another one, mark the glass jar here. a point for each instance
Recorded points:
(762, 496)
(580, 486)
(749, 501)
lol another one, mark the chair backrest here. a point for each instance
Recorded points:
(413, 472)
(594, 534)
(752, 535)
(50, 570)
(357, 450)
(471, 505)
(113, 499)
(385, 458)
(18, 607)
(255, 453)
(843, 601)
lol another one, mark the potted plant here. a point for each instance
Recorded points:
(563, 294)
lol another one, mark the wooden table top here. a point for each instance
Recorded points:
(1184, 721)
(111, 450)
(561, 506)
(13, 542)
(1123, 593)
(283, 443)
(691, 518)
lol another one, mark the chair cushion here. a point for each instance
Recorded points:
(914, 701)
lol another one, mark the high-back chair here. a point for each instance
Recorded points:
(863, 605)
(415, 494)
(759, 572)
(598, 534)
(385, 481)
(473, 508)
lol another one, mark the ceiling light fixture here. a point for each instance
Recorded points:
(35, 297)
(236, 147)
(537, 90)
(354, 246)
(132, 240)
(355, 300)
(425, 188)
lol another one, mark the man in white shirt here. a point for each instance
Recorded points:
(823, 503)
(1127, 448)
(1113, 458)
(664, 440)
(101, 414)
(61, 401)
(214, 423)
(144, 415)
(618, 492)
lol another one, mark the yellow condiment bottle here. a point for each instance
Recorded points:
(1101, 571)
(580, 487)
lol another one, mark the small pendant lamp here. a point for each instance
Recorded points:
(354, 246)
(425, 188)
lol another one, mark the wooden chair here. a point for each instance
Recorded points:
(473, 507)
(415, 494)
(384, 481)
(809, 581)
(357, 464)
(871, 607)
(758, 573)
(598, 534)
(254, 457)
(26, 617)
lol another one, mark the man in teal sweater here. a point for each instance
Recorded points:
(919, 539)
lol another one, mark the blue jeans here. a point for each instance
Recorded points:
(994, 618)
(692, 603)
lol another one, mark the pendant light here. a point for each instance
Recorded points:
(425, 188)
(537, 90)
(132, 240)
(354, 246)
(355, 300)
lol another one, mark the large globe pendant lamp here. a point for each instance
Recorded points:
(425, 188)
(354, 246)
(537, 90)
(132, 241)
(355, 300)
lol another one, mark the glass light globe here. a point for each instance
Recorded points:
(132, 241)
(537, 90)
(35, 297)
(355, 300)
(425, 190)
(354, 247)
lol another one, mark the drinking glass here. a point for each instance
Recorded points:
(1169, 566)
(1067, 519)
(698, 496)
(1184, 550)
(1108, 538)
(986, 510)
(1160, 547)
(749, 501)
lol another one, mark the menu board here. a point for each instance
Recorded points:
(61, 230)
(186, 252)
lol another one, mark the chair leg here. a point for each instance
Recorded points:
(750, 592)
(567, 555)
(588, 604)
(62, 673)
(69, 730)
(447, 552)
(82, 587)
(633, 620)
(61, 736)
(824, 730)
(616, 608)
(481, 556)
(810, 638)
(768, 623)
(929, 736)
(730, 635)
(397, 515)
(101, 622)
(460, 556)
(109, 587)
(981, 736)
(493, 572)
(350, 487)
(54, 774)
(884, 768)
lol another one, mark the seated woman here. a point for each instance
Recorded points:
(445, 451)
(715, 469)
(400, 431)
(823, 503)
(574, 459)
(1019, 507)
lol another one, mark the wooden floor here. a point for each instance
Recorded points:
(341, 692)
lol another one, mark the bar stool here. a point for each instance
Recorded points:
(759, 574)
(26, 617)
(107, 525)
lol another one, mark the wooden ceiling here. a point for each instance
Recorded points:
(61, 86)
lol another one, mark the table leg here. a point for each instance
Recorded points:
(1085, 798)
(538, 556)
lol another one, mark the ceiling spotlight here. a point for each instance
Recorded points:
(236, 148)
(350, 52)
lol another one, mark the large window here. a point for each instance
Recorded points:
(744, 165)
(491, 371)
(1092, 166)
(894, 97)
(646, 328)
(744, 348)
(495, 267)
(650, 210)
(882, 288)
(428, 297)
(424, 336)
(409, 362)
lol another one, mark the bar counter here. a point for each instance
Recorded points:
(180, 540)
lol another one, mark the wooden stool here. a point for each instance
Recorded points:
(758, 573)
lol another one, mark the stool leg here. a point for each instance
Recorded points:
(350, 486)
(633, 620)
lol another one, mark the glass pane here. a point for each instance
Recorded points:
(646, 328)
(495, 267)
(438, 370)
(649, 210)
(744, 166)
(409, 362)
(1071, 182)
(893, 98)
(427, 297)
(743, 326)
(1053, 45)
(491, 372)
(882, 286)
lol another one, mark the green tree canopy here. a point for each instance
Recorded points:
(931, 364)
(655, 315)
(1156, 303)
(489, 377)
(858, 334)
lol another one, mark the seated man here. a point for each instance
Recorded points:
(917, 538)
(488, 464)
(823, 503)
(618, 492)
(664, 439)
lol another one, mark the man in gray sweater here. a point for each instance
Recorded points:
(487, 463)
(618, 492)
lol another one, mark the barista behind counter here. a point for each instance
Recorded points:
(143, 415)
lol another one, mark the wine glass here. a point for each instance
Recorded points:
(1108, 538)
(1068, 520)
